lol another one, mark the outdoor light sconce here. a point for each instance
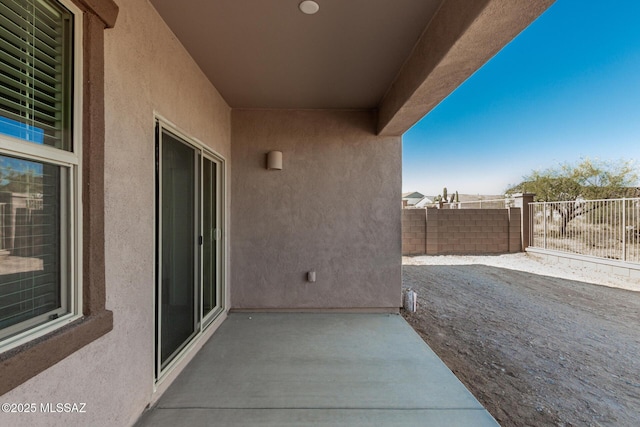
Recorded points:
(274, 160)
(309, 7)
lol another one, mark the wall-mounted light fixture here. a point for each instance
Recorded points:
(309, 7)
(274, 160)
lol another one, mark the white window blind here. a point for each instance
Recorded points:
(36, 57)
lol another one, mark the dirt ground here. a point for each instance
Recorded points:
(535, 350)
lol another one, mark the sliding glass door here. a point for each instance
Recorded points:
(177, 276)
(210, 229)
(189, 289)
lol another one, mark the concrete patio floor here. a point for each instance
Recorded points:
(302, 369)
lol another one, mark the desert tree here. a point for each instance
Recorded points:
(587, 180)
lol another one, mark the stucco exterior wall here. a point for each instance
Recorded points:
(333, 209)
(146, 70)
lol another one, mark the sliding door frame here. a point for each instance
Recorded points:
(220, 257)
(203, 154)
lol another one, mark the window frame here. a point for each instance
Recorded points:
(28, 360)
(71, 202)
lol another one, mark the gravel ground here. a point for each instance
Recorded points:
(537, 343)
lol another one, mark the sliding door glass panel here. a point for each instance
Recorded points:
(209, 247)
(178, 311)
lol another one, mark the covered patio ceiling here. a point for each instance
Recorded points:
(399, 57)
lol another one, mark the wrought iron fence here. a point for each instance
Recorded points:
(2, 225)
(608, 229)
(481, 204)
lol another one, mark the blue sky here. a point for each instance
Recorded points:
(567, 88)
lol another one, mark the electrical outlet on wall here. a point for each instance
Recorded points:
(311, 276)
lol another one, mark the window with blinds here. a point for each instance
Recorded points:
(40, 213)
(36, 72)
(31, 244)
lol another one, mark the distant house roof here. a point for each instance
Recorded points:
(424, 202)
(410, 199)
(412, 195)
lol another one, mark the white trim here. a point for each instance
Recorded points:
(177, 130)
(78, 64)
(15, 147)
(219, 218)
(157, 233)
(77, 147)
(38, 331)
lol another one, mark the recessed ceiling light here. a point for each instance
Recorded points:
(309, 7)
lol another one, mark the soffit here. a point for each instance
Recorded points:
(268, 54)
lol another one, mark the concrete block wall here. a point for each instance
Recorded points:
(515, 229)
(413, 231)
(461, 231)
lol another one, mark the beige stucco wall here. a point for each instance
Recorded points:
(146, 70)
(333, 209)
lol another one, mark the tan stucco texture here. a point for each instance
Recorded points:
(332, 209)
(147, 71)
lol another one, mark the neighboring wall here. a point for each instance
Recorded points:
(331, 209)
(461, 231)
(414, 231)
(146, 70)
